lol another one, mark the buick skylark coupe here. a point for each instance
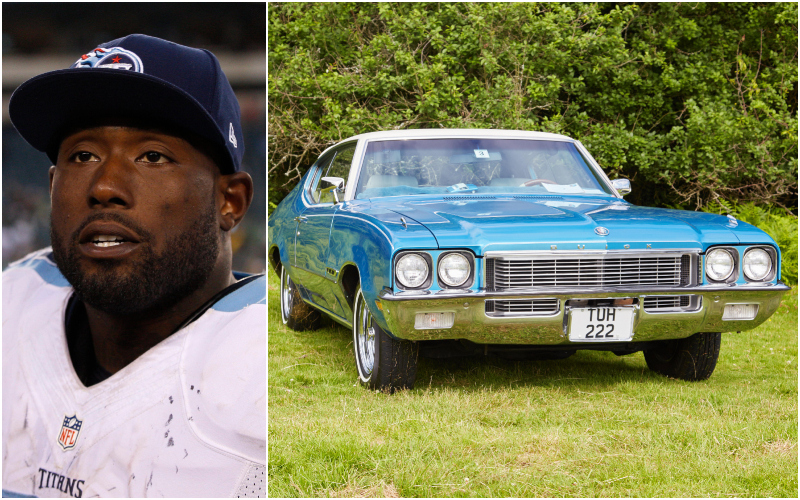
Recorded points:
(512, 243)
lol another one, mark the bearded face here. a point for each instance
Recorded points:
(134, 222)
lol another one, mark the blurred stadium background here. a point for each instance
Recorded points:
(40, 37)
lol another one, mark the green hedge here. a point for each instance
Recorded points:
(694, 102)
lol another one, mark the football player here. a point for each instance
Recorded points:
(134, 358)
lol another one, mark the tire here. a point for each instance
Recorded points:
(295, 313)
(383, 362)
(693, 358)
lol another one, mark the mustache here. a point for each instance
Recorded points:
(121, 219)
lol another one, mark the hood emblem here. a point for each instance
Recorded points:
(601, 231)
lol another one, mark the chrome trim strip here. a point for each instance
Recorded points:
(549, 254)
(342, 321)
(550, 291)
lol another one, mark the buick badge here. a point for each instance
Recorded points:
(601, 231)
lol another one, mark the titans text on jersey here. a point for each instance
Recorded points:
(185, 419)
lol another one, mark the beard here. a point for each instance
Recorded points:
(148, 281)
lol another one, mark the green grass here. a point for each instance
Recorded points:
(593, 425)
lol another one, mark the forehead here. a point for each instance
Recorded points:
(125, 134)
(131, 125)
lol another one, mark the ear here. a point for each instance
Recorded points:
(51, 173)
(237, 193)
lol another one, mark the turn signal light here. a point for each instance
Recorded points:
(433, 321)
(739, 311)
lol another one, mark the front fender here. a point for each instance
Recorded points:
(369, 239)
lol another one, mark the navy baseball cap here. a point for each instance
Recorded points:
(137, 75)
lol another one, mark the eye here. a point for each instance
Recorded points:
(154, 157)
(83, 157)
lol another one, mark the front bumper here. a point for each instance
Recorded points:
(472, 323)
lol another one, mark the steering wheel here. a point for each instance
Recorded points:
(536, 182)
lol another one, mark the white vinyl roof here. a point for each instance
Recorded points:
(440, 133)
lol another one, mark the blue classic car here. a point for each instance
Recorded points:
(513, 243)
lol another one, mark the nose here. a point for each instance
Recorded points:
(111, 184)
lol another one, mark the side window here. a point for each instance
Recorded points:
(340, 167)
(322, 166)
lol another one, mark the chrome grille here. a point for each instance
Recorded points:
(685, 269)
(674, 303)
(522, 307)
(521, 273)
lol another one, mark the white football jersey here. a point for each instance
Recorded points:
(185, 419)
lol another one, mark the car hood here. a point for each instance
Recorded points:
(507, 224)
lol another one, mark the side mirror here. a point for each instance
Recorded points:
(623, 186)
(332, 184)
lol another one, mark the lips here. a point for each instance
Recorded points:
(103, 239)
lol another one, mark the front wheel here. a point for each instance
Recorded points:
(295, 313)
(693, 358)
(383, 362)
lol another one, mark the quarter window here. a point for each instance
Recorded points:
(341, 163)
(322, 166)
(339, 167)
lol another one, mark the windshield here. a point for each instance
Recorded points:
(430, 166)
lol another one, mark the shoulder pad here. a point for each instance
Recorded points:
(43, 264)
(224, 373)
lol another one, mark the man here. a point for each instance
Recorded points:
(134, 360)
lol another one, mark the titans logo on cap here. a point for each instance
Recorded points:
(112, 57)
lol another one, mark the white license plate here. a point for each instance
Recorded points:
(601, 324)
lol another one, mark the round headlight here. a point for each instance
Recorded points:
(757, 264)
(411, 270)
(719, 264)
(454, 269)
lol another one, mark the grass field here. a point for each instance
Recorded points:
(593, 425)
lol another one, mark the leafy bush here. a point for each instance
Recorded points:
(694, 102)
(782, 227)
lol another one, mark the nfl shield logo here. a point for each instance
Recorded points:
(69, 432)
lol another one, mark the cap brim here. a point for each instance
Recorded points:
(41, 107)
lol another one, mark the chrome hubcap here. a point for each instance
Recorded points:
(287, 294)
(365, 338)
